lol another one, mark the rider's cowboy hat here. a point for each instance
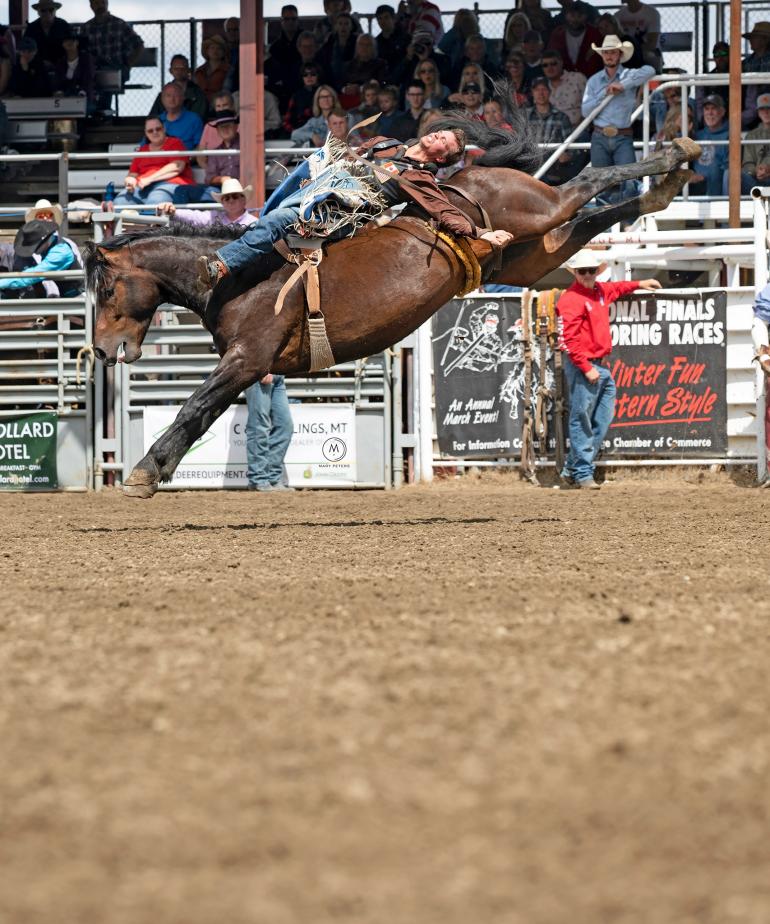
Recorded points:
(43, 205)
(759, 28)
(585, 259)
(229, 187)
(613, 43)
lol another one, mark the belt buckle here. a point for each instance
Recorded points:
(609, 131)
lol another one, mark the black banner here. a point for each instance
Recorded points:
(668, 361)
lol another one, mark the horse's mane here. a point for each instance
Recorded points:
(516, 148)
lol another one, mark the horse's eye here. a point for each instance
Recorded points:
(108, 293)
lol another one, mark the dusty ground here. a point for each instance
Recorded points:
(466, 703)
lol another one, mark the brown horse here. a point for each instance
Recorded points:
(377, 287)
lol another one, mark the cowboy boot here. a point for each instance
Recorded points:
(210, 272)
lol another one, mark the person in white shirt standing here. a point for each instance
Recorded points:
(642, 21)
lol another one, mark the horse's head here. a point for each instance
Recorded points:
(125, 295)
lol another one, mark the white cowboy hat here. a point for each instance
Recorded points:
(43, 205)
(585, 259)
(229, 187)
(613, 43)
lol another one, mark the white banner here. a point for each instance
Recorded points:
(322, 453)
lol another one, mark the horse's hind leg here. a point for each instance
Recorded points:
(527, 262)
(593, 180)
(197, 414)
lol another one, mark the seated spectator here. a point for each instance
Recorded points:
(567, 87)
(516, 27)
(339, 49)
(472, 100)
(232, 30)
(151, 180)
(392, 40)
(74, 72)
(435, 92)
(641, 21)
(369, 93)
(314, 130)
(672, 123)
(539, 19)
(415, 106)
(420, 50)
(471, 73)
(494, 115)
(223, 102)
(365, 66)
(193, 98)
(574, 41)
(515, 70)
(233, 199)
(391, 122)
(221, 167)
(29, 77)
(758, 62)
(452, 44)
(549, 126)
(179, 122)
(755, 168)
(662, 101)
(300, 105)
(324, 28)
(532, 52)
(337, 122)
(210, 77)
(112, 42)
(40, 247)
(48, 31)
(711, 167)
(476, 52)
(607, 24)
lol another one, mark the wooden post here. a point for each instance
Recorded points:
(734, 123)
(252, 100)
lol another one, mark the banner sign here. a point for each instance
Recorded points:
(668, 362)
(322, 452)
(28, 452)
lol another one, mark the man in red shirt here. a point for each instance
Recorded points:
(584, 336)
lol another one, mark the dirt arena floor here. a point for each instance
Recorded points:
(469, 703)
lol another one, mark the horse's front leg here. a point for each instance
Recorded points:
(233, 373)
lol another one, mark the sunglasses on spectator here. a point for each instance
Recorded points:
(152, 131)
(587, 270)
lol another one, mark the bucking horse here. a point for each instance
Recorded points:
(376, 287)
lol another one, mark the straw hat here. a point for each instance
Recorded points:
(215, 40)
(230, 186)
(614, 43)
(43, 205)
(759, 28)
(585, 259)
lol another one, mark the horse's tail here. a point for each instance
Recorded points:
(516, 148)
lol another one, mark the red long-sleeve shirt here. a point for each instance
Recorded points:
(585, 320)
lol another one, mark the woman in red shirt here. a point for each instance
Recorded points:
(156, 179)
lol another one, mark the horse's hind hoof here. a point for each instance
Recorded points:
(142, 491)
(691, 149)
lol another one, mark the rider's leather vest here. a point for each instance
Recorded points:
(395, 164)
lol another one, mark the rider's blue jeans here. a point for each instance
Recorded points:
(268, 431)
(591, 409)
(259, 238)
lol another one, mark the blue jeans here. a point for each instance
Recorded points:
(591, 409)
(614, 152)
(259, 238)
(268, 431)
(150, 195)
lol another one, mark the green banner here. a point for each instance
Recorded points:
(28, 452)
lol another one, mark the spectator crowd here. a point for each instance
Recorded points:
(328, 74)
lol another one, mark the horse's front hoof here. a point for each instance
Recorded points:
(140, 483)
(142, 491)
(691, 149)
